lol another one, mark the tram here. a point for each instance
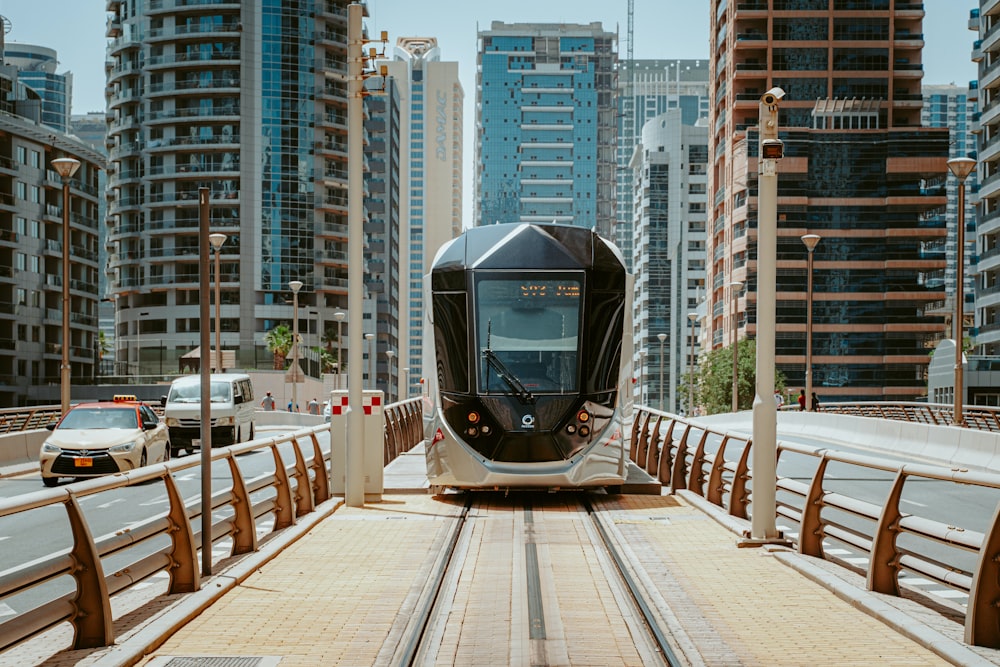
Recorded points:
(531, 359)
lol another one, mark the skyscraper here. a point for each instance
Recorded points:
(859, 170)
(545, 140)
(249, 101)
(431, 174)
(36, 69)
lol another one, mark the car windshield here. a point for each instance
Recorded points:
(191, 393)
(80, 418)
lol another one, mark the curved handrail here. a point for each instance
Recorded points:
(294, 485)
(715, 464)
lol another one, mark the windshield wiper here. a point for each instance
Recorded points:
(493, 361)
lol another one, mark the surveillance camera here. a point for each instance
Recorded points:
(773, 96)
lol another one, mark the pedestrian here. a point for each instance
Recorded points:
(779, 399)
(290, 406)
(313, 407)
(802, 399)
(267, 402)
(815, 403)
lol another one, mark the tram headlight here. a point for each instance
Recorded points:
(571, 428)
(473, 417)
(472, 431)
(583, 416)
(584, 431)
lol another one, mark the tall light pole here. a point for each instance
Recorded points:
(405, 394)
(296, 285)
(217, 240)
(961, 167)
(810, 241)
(66, 167)
(734, 293)
(662, 337)
(692, 317)
(371, 361)
(390, 354)
(339, 316)
(205, 381)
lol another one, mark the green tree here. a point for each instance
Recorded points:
(713, 378)
(279, 343)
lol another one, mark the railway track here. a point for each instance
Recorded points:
(536, 579)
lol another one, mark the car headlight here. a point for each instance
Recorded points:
(225, 421)
(173, 421)
(50, 449)
(122, 448)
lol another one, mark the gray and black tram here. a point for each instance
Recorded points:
(530, 352)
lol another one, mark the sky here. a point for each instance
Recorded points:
(663, 29)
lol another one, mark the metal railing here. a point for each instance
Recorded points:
(715, 465)
(99, 566)
(980, 417)
(13, 420)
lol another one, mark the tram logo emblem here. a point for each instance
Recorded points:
(528, 421)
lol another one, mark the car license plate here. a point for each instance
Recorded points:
(84, 462)
(196, 442)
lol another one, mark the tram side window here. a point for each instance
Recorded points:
(451, 315)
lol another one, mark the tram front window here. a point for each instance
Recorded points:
(531, 328)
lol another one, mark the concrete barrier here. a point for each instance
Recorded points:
(945, 445)
(21, 447)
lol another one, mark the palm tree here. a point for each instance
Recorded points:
(279, 343)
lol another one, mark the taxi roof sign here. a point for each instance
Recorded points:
(125, 398)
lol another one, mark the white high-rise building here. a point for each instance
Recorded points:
(431, 172)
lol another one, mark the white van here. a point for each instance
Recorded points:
(232, 411)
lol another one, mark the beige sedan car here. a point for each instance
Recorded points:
(102, 438)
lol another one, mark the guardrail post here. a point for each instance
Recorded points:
(185, 577)
(738, 500)
(321, 481)
(666, 453)
(811, 523)
(677, 481)
(91, 617)
(715, 484)
(982, 616)
(244, 531)
(695, 483)
(283, 517)
(883, 568)
(303, 497)
(639, 424)
(640, 447)
(653, 453)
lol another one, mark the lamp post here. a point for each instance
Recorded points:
(406, 384)
(65, 167)
(810, 241)
(371, 360)
(339, 316)
(642, 379)
(692, 317)
(662, 337)
(961, 167)
(217, 240)
(390, 354)
(296, 285)
(734, 290)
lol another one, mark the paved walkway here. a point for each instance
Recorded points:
(343, 593)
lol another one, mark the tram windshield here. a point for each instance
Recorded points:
(531, 327)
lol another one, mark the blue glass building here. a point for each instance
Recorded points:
(545, 145)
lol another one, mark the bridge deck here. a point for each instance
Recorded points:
(343, 592)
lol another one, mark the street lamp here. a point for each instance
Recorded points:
(371, 360)
(339, 316)
(65, 167)
(734, 290)
(961, 167)
(390, 354)
(662, 337)
(217, 240)
(693, 317)
(296, 285)
(406, 383)
(810, 241)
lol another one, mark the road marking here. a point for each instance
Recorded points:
(6, 610)
(162, 500)
(109, 504)
(912, 502)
